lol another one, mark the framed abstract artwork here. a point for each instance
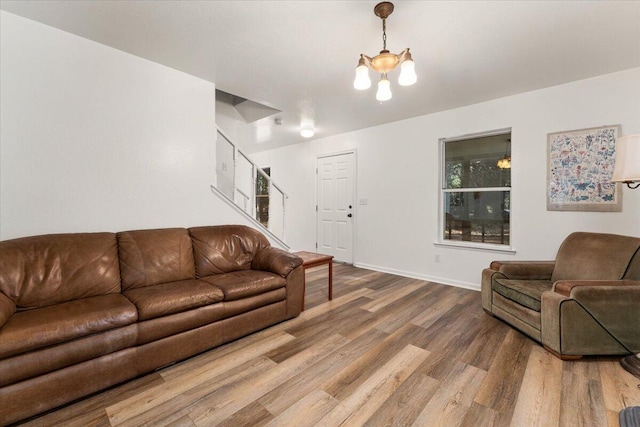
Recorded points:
(580, 166)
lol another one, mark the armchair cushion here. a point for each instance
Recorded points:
(529, 270)
(594, 256)
(525, 292)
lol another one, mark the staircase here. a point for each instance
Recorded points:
(248, 189)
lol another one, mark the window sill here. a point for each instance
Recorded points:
(482, 247)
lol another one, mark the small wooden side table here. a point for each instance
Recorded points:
(312, 259)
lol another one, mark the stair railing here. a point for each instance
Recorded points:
(248, 188)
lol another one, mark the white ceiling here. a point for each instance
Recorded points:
(300, 56)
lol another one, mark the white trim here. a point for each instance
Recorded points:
(476, 246)
(261, 227)
(353, 151)
(474, 189)
(478, 135)
(412, 275)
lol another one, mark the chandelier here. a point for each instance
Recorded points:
(505, 161)
(385, 61)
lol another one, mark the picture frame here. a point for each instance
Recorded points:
(580, 165)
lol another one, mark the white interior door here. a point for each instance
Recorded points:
(335, 205)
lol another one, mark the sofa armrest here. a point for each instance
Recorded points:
(525, 270)
(276, 261)
(7, 308)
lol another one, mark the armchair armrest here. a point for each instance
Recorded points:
(7, 308)
(525, 270)
(591, 317)
(276, 261)
(566, 287)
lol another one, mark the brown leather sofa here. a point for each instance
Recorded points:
(82, 312)
(586, 302)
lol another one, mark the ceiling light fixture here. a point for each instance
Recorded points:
(307, 131)
(385, 61)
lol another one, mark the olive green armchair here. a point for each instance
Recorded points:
(586, 302)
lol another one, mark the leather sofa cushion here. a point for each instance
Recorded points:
(173, 324)
(45, 270)
(30, 364)
(174, 297)
(527, 293)
(161, 327)
(244, 284)
(40, 327)
(225, 248)
(151, 257)
(594, 256)
(7, 308)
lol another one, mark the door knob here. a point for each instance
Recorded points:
(349, 215)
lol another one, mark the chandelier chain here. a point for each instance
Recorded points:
(384, 34)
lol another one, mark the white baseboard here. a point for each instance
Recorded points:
(442, 280)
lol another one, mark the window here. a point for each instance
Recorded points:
(475, 191)
(262, 196)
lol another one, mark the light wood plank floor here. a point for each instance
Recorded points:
(387, 351)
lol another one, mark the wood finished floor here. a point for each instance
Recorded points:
(387, 351)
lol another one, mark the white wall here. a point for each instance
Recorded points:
(232, 125)
(225, 167)
(95, 139)
(397, 171)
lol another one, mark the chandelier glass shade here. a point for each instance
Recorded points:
(384, 89)
(385, 62)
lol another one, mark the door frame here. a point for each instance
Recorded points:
(355, 196)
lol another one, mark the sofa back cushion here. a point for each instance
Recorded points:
(151, 257)
(225, 248)
(594, 256)
(44, 270)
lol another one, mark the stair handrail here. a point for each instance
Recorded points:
(272, 185)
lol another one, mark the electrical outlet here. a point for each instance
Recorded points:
(436, 258)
